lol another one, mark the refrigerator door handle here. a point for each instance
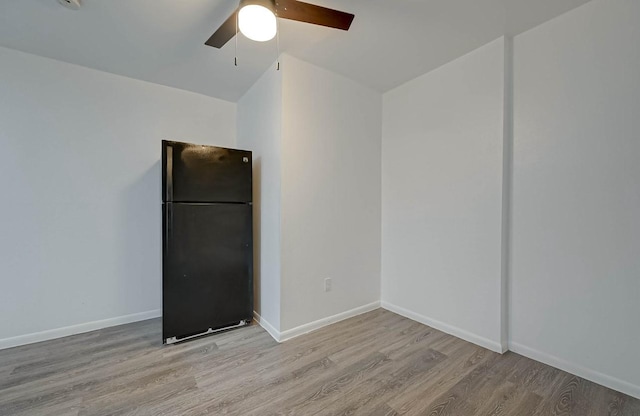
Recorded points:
(169, 190)
(169, 221)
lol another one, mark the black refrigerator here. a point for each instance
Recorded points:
(207, 260)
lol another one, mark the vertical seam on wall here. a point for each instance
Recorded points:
(280, 195)
(381, 195)
(507, 187)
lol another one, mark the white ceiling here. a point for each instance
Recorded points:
(162, 41)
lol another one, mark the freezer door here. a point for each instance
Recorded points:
(207, 267)
(195, 173)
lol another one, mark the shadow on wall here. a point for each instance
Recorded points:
(257, 181)
(140, 236)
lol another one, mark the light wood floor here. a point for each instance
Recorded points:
(375, 364)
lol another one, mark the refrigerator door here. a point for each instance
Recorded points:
(195, 173)
(207, 267)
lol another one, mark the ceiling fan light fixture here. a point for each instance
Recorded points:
(257, 19)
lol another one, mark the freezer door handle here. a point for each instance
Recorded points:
(169, 190)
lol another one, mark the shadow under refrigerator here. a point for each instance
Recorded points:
(207, 240)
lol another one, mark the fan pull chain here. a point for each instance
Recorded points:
(235, 58)
(278, 43)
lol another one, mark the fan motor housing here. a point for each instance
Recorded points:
(71, 4)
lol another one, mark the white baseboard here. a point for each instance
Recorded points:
(315, 325)
(275, 334)
(76, 329)
(449, 329)
(578, 370)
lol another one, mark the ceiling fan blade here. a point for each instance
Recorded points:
(224, 33)
(310, 13)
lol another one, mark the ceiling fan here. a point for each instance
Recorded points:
(256, 19)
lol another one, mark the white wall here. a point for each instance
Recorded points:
(260, 130)
(81, 207)
(317, 160)
(331, 150)
(442, 138)
(575, 300)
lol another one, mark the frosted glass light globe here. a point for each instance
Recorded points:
(257, 22)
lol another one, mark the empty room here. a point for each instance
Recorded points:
(328, 207)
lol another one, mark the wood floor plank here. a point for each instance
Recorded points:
(316, 396)
(373, 394)
(378, 363)
(415, 399)
(628, 406)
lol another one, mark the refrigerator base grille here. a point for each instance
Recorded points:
(174, 340)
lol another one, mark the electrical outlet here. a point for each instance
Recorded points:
(327, 284)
